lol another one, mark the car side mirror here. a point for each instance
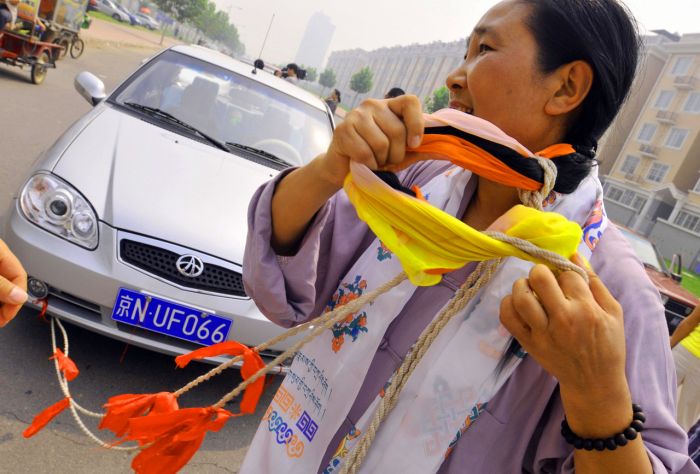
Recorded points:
(90, 87)
(676, 268)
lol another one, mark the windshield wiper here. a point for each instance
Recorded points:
(171, 118)
(258, 151)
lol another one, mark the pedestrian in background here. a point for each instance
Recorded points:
(394, 92)
(333, 100)
(685, 343)
(8, 13)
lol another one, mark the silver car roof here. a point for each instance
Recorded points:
(263, 77)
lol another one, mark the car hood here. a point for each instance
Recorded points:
(671, 288)
(148, 180)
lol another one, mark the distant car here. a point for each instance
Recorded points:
(147, 21)
(133, 224)
(677, 301)
(108, 7)
(133, 19)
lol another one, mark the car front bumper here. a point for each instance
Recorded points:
(83, 285)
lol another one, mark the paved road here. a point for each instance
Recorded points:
(31, 118)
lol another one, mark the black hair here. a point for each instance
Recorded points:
(293, 67)
(604, 34)
(259, 64)
(337, 94)
(394, 92)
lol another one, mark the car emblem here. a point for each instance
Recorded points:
(190, 266)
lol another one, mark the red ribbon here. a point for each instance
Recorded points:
(45, 417)
(121, 408)
(66, 365)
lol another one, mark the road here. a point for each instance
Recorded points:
(31, 118)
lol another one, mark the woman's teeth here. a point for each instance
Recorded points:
(462, 108)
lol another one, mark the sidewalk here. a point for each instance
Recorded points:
(104, 33)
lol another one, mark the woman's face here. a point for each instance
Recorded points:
(500, 80)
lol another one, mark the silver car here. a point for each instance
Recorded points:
(133, 224)
(108, 7)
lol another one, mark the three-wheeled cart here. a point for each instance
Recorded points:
(64, 19)
(23, 47)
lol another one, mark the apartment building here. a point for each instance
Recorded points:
(653, 185)
(418, 69)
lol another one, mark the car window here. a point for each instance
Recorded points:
(230, 107)
(644, 250)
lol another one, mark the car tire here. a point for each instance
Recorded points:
(117, 17)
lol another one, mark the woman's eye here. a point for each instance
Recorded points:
(484, 47)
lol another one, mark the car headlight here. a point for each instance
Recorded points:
(57, 207)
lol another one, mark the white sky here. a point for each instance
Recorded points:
(371, 24)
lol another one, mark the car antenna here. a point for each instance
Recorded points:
(264, 41)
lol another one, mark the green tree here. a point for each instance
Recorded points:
(327, 78)
(182, 10)
(438, 100)
(215, 24)
(361, 81)
(311, 73)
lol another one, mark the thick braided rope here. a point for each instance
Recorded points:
(329, 319)
(484, 272)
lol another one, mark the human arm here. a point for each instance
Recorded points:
(686, 326)
(375, 134)
(13, 285)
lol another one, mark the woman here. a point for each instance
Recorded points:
(685, 343)
(545, 72)
(333, 100)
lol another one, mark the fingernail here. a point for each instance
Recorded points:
(414, 142)
(17, 296)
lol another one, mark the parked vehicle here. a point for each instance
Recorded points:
(133, 224)
(133, 19)
(677, 301)
(148, 21)
(64, 19)
(108, 7)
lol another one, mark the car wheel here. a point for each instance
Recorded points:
(117, 17)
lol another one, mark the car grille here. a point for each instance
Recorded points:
(161, 262)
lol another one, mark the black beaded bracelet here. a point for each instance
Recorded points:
(611, 443)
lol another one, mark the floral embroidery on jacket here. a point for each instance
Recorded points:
(354, 324)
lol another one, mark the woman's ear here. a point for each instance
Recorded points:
(574, 81)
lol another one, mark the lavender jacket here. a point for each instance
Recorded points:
(519, 431)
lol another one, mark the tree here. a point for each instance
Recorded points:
(311, 73)
(438, 100)
(182, 10)
(361, 81)
(327, 78)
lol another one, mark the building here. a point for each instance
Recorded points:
(418, 69)
(653, 184)
(315, 42)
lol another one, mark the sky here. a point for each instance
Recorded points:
(371, 24)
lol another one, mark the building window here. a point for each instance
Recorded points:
(692, 103)
(629, 166)
(688, 221)
(682, 66)
(676, 137)
(646, 133)
(657, 172)
(614, 194)
(663, 101)
(639, 202)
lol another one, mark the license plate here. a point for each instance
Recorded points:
(173, 319)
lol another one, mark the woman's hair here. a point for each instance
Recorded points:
(603, 34)
(337, 94)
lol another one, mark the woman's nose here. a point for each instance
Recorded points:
(457, 79)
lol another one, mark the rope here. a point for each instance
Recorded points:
(482, 274)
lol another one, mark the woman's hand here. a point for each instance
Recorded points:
(13, 285)
(575, 331)
(375, 134)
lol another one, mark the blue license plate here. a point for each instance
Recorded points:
(166, 317)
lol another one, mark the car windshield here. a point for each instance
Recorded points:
(229, 107)
(644, 250)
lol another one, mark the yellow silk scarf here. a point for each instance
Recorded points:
(429, 242)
